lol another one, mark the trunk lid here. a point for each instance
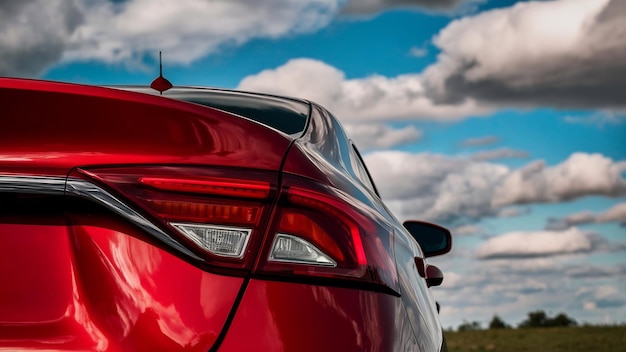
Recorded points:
(50, 128)
(82, 266)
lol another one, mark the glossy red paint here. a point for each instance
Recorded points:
(48, 128)
(97, 285)
(96, 264)
(281, 316)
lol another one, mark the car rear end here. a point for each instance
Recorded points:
(135, 222)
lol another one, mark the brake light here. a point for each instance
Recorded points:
(222, 218)
(248, 189)
(320, 202)
(198, 212)
(312, 233)
(320, 233)
(293, 222)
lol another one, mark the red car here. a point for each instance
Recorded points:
(200, 220)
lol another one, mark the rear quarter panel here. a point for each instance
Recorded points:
(323, 153)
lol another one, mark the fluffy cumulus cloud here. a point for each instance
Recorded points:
(43, 31)
(539, 244)
(564, 53)
(459, 190)
(379, 136)
(434, 187)
(581, 174)
(515, 287)
(371, 98)
(35, 34)
(615, 214)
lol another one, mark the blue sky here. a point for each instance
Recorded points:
(503, 120)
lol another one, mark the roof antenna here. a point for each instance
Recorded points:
(161, 84)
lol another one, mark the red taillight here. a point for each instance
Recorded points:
(199, 212)
(312, 232)
(218, 187)
(292, 222)
(334, 238)
(222, 216)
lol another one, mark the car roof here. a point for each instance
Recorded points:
(288, 115)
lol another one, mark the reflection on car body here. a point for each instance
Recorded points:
(202, 219)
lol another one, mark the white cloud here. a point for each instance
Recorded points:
(378, 136)
(537, 244)
(581, 174)
(189, 29)
(589, 306)
(512, 288)
(125, 32)
(435, 187)
(372, 98)
(454, 189)
(467, 230)
(34, 34)
(565, 53)
(323, 82)
(614, 214)
(617, 213)
(602, 297)
(512, 211)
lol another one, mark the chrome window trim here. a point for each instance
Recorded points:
(47, 185)
(32, 184)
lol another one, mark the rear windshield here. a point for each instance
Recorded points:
(284, 114)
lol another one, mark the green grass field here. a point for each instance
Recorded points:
(597, 339)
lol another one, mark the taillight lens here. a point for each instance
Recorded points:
(293, 249)
(221, 216)
(224, 241)
(213, 186)
(320, 233)
(232, 218)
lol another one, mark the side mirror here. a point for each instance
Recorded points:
(434, 276)
(434, 239)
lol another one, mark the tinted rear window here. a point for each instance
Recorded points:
(284, 114)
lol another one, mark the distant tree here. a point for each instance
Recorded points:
(539, 319)
(535, 319)
(467, 326)
(498, 323)
(562, 320)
